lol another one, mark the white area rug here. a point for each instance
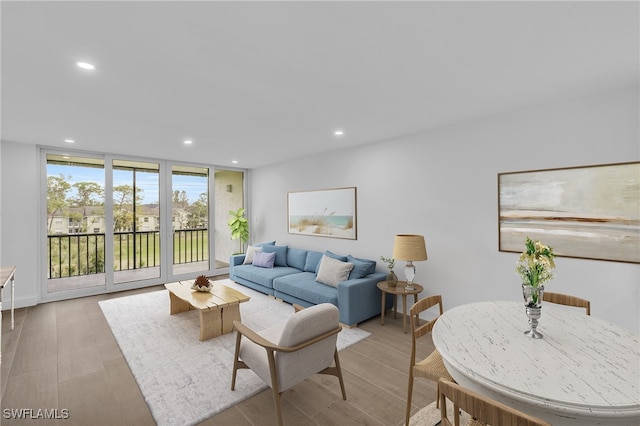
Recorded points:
(184, 380)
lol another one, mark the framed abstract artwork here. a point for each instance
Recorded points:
(323, 213)
(590, 212)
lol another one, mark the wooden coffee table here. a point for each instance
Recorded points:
(218, 308)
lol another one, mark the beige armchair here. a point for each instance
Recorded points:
(284, 355)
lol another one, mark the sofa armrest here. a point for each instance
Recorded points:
(234, 261)
(360, 299)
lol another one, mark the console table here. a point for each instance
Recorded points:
(585, 371)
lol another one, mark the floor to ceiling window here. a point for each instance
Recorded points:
(75, 222)
(123, 223)
(190, 219)
(136, 220)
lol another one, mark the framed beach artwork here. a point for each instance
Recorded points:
(323, 213)
(590, 212)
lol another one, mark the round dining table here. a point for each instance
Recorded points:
(584, 371)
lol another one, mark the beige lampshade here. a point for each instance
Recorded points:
(409, 247)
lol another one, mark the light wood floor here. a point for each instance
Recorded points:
(62, 355)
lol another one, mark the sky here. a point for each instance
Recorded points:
(148, 182)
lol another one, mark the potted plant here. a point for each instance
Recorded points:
(239, 226)
(392, 279)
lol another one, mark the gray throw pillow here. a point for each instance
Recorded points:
(332, 271)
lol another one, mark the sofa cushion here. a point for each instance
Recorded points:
(296, 258)
(262, 276)
(312, 262)
(361, 267)
(332, 271)
(333, 256)
(251, 250)
(264, 260)
(303, 286)
(280, 251)
(268, 243)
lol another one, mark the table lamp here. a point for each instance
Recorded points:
(409, 248)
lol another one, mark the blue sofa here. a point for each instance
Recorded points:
(293, 279)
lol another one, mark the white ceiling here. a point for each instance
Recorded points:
(263, 82)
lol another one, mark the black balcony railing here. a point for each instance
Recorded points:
(83, 254)
(135, 250)
(190, 245)
(75, 254)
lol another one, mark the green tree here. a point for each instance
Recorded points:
(199, 212)
(122, 207)
(88, 194)
(57, 188)
(180, 199)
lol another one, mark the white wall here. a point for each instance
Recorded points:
(19, 193)
(1, 260)
(443, 184)
(224, 202)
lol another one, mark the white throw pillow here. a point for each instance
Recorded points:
(333, 271)
(248, 259)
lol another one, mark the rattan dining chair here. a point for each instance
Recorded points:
(565, 299)
(482, 410)
(432, 367)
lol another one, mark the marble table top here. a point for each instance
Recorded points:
(585, 370)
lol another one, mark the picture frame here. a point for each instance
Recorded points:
(323, 213)
(590, 212)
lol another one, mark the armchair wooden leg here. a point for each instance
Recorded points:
(339, 371)
(235, 361)
(276, 403)
(275, 386)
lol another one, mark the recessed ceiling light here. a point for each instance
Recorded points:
(234, 161)
(188, 142)
(86, 66)
(338, 133)
(69, 141)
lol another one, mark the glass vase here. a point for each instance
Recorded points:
(392, 279)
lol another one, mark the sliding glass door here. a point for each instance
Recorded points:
(136, 221)
(190, 219)
(115, 223)
(75, 223)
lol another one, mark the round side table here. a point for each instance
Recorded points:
(399, 289)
